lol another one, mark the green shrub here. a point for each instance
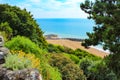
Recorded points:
(85, 63)
(50, 73)
(73, 58)
(96, 70)
(69, 70)
(59, 49)
(16, 63)
(53, 48)
(17, 60)
(24, 44)
(72, 72)
(82, 54)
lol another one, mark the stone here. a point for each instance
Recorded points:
(25, 74)
(1, 41)
(3, 50)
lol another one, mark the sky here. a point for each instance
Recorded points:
(50, 8)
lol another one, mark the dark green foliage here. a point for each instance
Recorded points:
(84, 65)
(68, 69)
(106, 14)
(5, 28)
(83, 54)
(97, 70)
(100, 71)
(54, 49)
(22, 23)
(113, 62)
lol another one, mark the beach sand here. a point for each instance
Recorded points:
(75, 44)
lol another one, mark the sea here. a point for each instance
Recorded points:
(68, 28)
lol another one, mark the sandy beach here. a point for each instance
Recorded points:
(75, 44)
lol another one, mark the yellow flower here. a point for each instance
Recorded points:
(35, 62)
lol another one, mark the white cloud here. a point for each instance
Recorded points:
(54, 8)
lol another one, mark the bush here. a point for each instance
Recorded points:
(74, 58)
(96, 70)
(24, 44)
(50, 73)
(68, 69)
(59, 49)
(20, 60)
(85, 63)
(53, 49)
(82, 54)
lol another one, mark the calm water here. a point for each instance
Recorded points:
(76, 28)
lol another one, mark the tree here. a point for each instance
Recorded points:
(96, 70)
(106, 14)
(22, 23)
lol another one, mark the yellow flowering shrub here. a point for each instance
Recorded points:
(19, 60)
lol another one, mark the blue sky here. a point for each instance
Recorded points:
(50, 8)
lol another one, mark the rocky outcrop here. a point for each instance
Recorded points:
(25, 74)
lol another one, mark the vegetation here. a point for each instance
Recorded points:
(29, 51)
(78, 52)
(96, 70)
(5, 30)
(50, 73)
(105, 13)
(24, 44)
(18, 60)
(15, 21)
(68, 69)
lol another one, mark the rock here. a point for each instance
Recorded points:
(3, 50)
(25, 74)
(1, 41)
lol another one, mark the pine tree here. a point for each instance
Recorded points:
(106, 14)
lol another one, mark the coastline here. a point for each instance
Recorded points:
(77, 44)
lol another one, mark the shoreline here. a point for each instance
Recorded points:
(77, 44)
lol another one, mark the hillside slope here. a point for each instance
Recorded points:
(74, 45)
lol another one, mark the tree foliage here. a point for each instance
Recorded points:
(106, 14)
(5, 28)
(96, 70)
(22, 23)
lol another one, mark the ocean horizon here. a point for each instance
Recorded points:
(66, 27)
